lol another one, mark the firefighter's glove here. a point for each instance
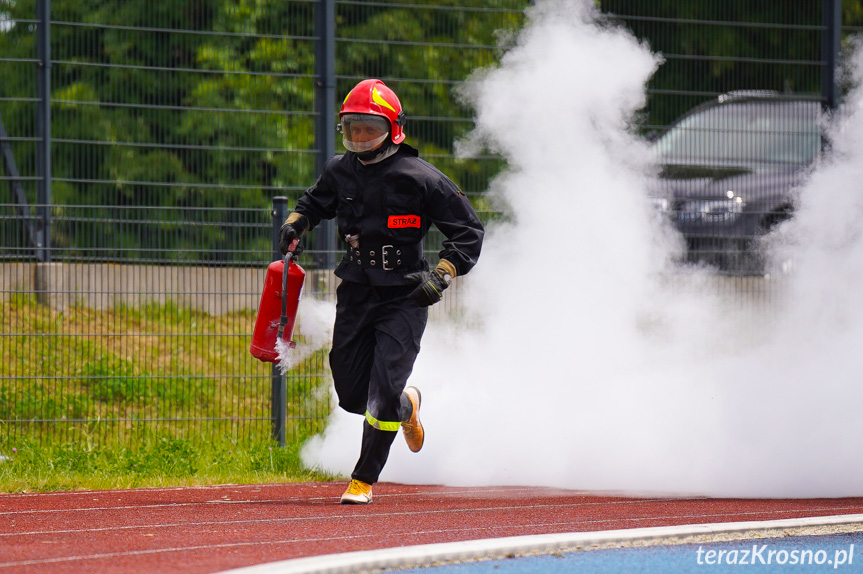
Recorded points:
(295, 225)
(431, 283)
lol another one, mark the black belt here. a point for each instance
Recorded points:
(386, 257)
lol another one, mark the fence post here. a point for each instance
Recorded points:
(830, 47)
(325, 103)
(278, 389)
(43, 123)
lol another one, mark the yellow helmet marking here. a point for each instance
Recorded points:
(348, 96)
(379, 99)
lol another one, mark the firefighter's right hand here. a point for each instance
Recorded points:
(287, 234)
(293, 228)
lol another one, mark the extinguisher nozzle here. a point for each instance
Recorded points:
(280, 339)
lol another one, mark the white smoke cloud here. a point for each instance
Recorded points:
(595, 366)
(315, 323)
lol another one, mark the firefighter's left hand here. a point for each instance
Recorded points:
(431, 286)
(294, 227)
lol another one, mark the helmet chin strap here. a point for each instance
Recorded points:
(385, 150)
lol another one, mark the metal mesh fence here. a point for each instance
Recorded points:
(716, 47)
(108, 341)
(130, 276)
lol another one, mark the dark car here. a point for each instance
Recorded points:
(729, 169)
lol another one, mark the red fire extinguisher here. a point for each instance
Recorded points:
(283, 287)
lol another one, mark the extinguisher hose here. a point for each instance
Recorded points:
(283, 320)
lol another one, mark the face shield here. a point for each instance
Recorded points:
(363, 132)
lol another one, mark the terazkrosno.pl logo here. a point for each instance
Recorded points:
(763, 554)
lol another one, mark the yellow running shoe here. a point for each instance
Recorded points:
(358, 492)
(413, 428)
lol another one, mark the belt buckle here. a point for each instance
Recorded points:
(386, 262)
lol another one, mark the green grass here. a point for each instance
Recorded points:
(159, 462)
(155, 395)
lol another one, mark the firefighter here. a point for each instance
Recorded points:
(385, 198)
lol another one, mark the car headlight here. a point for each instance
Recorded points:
(660, 204)
(712, 210)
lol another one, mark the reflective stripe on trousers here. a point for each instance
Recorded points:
(382, 425)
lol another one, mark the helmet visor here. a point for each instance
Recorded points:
(363, 132)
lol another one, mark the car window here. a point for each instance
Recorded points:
(744, 134)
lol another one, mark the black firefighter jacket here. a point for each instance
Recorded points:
(390, 205)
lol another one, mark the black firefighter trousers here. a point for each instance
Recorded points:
(376, 339)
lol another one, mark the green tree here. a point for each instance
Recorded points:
(717, 46)
(201, 109)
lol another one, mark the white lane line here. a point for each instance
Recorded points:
(335, 494)
(531, 525)
(448, 492)
(152, 489)
(105, 555)
(378, 515)
(429, 554)
(292, 498)
(149, 506)
(317, 517)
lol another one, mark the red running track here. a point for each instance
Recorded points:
(209, 529)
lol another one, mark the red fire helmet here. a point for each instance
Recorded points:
(374, 97)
